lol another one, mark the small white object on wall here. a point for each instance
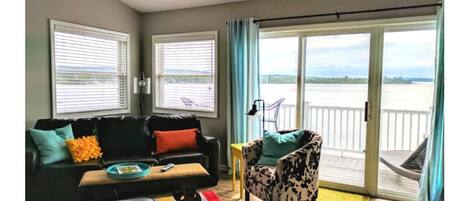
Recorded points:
(142, 85)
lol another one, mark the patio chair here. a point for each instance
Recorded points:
(275, 107)
(188, 102)
(295, 177)
(398, 161)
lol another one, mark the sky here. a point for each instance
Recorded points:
(406, 54)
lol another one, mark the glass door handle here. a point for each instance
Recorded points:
(366, 111)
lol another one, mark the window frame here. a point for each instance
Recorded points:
(104, 34)
(189, 36)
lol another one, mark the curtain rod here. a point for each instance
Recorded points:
(338, 14)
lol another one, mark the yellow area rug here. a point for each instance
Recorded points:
(332, 195)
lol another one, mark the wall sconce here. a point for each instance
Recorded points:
(142, 85)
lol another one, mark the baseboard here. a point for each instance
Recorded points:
(223, 168)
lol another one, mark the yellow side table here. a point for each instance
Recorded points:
(236, 154)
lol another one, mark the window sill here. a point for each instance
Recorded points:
(92, 114)
(212, 115)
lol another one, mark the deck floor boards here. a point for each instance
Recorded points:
(348, 170)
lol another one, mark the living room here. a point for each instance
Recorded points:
(235, 100)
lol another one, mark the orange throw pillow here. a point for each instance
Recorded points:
(84, 149)
(167, 141)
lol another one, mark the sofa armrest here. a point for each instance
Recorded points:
(211, 147)
(32, 154)
(32, 163)
(252, 152)
(299, 168)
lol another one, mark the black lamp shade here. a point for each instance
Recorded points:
(253, 110)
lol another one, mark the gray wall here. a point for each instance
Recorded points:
(214, 18)
(107, 14)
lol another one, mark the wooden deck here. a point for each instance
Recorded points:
(350, 170)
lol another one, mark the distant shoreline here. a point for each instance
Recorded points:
(291, 79)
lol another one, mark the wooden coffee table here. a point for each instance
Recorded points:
(183, 177)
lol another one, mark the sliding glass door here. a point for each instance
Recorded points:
(278, 70)
(366, 87)
(406, 107)
(335, 92)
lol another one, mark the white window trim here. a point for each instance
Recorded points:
(106, 34)
(182, 37)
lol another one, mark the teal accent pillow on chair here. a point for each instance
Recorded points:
(51, 143)
(276, 145)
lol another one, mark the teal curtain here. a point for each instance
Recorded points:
(432, 180)
(243, 69)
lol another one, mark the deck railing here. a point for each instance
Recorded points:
(344, 128)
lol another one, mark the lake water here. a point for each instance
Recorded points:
(418, 96)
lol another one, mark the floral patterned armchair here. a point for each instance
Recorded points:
(296, 176)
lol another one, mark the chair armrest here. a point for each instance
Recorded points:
(211, 147)
(299, 169)
(252, 152)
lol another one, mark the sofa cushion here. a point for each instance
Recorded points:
(59, 181)
(181, 157)
(81, 127)
(148, 160)
(67, 168)
(121, 137)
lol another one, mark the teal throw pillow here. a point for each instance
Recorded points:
(51, 144)
(276, 145)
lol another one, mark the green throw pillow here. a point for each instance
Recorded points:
(51, 144)
(277, 145)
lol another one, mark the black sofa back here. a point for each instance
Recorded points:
(124, 137)
(173, 122)
(81, 127)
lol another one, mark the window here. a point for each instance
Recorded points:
(89, 70)
(184, 70)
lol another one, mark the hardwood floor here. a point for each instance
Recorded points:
(225, 191)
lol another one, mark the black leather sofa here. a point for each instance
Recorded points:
(122, 139)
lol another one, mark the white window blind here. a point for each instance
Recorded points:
(90, 70)
(185, 71)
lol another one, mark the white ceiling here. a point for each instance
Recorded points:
(146, 6)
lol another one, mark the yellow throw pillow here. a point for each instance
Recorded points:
(84, 149)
